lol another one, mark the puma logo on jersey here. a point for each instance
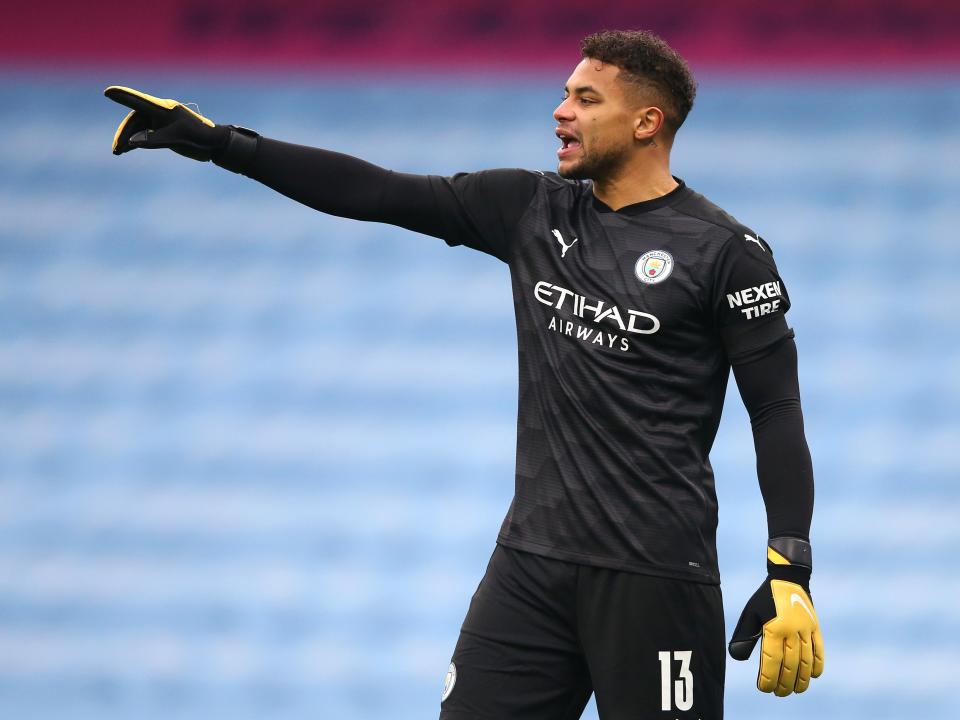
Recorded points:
(565, 247)
(750, 238)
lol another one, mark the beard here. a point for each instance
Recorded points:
(597, 165)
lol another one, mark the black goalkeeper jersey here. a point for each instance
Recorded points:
(627, 323)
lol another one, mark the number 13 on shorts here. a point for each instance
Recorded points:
(676, 693)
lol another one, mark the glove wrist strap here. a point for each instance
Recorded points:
(238, 152)
(789, 558)
(786, 550)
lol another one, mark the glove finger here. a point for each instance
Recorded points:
(159, 111)
(817, 642)
(144, 116)
(139, 101)
(742, 648)
(126, 128)
(141, 140)
(790, 667)
(771, 660)
(747, 632)
(806, 663)
(165, 137)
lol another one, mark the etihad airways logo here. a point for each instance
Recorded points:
(629, 321)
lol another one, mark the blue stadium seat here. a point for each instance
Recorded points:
(253, 459)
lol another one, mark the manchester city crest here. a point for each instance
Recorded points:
(449, 681)
(654, 266)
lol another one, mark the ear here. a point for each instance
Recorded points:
(647, 123)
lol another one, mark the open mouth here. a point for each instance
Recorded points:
(569, 143)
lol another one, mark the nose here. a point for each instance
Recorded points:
(564, 111)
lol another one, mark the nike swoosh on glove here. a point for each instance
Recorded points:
(161, 123)
(781, 616)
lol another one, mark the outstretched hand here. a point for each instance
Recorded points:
(159, 123)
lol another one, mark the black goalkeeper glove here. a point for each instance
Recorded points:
(781, 613)
(158, 123)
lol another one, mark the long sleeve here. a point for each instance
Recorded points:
(770, 390)
(478, 209)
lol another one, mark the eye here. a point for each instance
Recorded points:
(587, 101)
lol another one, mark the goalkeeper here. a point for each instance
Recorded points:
(634, 298)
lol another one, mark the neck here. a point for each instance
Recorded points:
(638, 182)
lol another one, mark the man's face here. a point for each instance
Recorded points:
(594, 122)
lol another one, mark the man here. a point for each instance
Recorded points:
(634, 295)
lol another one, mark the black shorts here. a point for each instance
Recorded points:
(542, 634)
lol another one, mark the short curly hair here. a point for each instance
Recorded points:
(648, 64)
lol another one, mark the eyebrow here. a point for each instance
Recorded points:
(583, 89)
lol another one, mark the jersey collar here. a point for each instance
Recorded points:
(680, 191)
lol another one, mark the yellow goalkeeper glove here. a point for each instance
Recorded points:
(780, 614)
(159, 123)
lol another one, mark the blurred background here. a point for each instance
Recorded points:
(253, 459)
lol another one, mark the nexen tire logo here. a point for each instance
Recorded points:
(555, 296)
